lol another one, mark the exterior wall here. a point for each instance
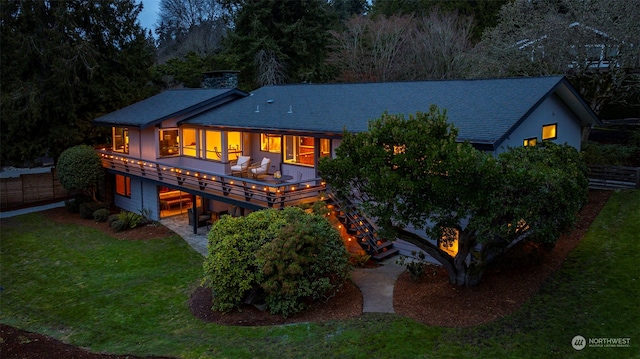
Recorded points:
(135, 142)
(133, 203)
(553, 110)
(144, 197)
(257, 155)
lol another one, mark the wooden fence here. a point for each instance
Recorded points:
(614, 177)
(20, 190)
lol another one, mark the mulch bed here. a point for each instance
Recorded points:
(504, 288)
(432, 300)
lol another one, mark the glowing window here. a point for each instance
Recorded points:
(123, 185)
(299, 150)
(169, 142)
(234, 144)
(448, 242)
(530, 141)
(549, 132)
(213, 143)
(270, 143)
(189, 144)
(120, 139)
(325, 147)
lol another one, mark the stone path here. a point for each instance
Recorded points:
(375, 284)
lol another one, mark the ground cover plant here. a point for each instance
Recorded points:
(110, 295)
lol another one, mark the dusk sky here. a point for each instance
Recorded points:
(149, 13)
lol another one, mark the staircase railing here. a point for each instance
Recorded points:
(361, 227)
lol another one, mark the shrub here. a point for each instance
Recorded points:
(359, 259)
(415, 266)
(101, 215)
(112, 218)
(231, 268)
(119, 225)
(131, 219)
(73, 205)
(80, 168)
(87, 209)
(125, 220)
(289, 258)
(305, 262)
(610, 154)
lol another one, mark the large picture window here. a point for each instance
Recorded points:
(550, 132)
(189, 142)
(302, 150)
(120, 139)
(213, 143)
(169, 142)
(270, 143)
(234, 144)
(123, 186)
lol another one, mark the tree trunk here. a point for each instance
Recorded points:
(460, 273)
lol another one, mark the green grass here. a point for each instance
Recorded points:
(91, 290)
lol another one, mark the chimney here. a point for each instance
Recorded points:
(221, 79)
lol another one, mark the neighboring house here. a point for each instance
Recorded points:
(180, 147)
(597, 50)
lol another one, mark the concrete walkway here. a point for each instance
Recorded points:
(17, 212)
(375, 284)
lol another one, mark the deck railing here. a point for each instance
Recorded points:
(255, 192)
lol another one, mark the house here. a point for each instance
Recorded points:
(178, 150)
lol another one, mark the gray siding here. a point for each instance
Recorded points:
(552, 110)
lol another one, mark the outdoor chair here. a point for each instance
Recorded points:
(260, 168)
(240, 165)
(203, 216)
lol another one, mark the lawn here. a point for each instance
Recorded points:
(89, 289)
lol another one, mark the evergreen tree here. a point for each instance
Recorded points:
(63, 64)
(279, 41)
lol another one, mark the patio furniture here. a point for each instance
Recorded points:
(203, 216)
(240, 165)
(260, 168)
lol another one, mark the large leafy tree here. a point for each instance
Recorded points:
(594, 42)
(63, 64)
(421, 185)
(279, 41)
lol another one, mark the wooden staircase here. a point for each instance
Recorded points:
(362, 229)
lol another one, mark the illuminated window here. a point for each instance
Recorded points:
(234, 144)
(120, 139)
(325, 147)
(270, 143)
(123, 185)
(213, 143)
(299, 150)
(448, 242)
(169, 142)
(530, 141)
(189, 145)
(549, 132)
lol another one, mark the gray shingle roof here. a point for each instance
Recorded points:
(169, 104)
(483, 110)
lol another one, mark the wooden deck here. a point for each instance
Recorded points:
(253, 193)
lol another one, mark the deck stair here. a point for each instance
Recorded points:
(361, 228)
